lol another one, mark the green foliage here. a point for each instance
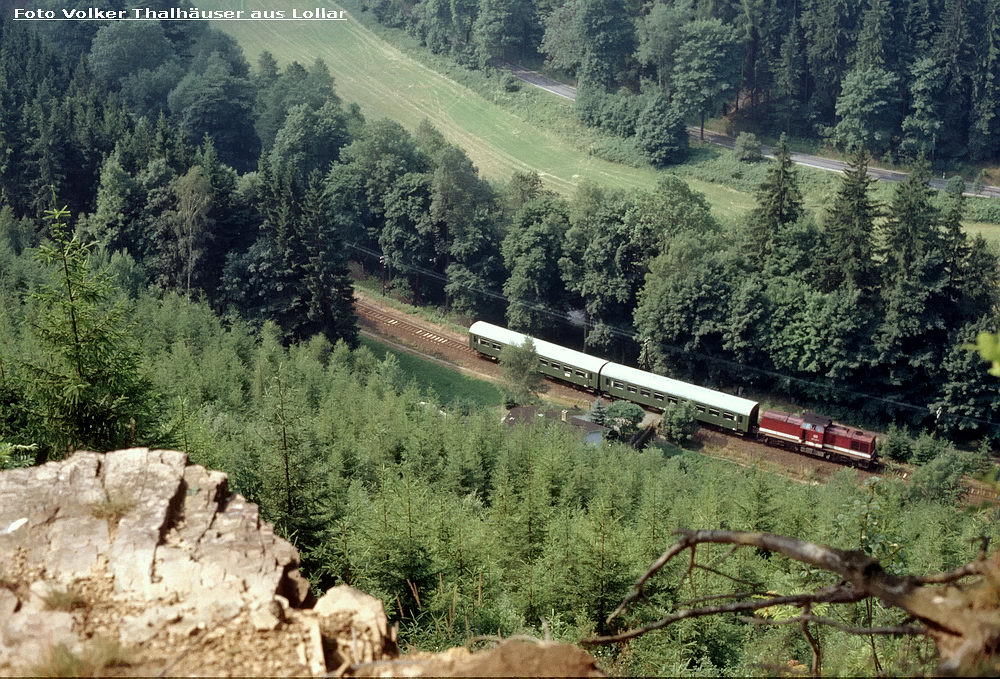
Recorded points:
(522, 383)
(84, 385)
(706, 67)
(866, 110)
(679, 424)
(941, 477)
(927, 448)
(623, 417)
(895, 444)
(988, 346)
(747, 149)
(661, 133)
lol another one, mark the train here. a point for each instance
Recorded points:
(807, 433)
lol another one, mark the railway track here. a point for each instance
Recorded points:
(396, 326)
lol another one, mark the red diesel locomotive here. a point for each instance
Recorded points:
(817, 435)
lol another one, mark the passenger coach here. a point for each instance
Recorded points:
(553, 360)
(711, 407)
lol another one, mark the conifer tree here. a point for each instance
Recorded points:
(779, 203)
(848, 250)
(85, 385)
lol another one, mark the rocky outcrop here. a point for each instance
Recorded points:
(136, 562)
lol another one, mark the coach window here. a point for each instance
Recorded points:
(728, 416)
(644, 393)
(701, 410)
(631, 389)
(658, 397)
(582, 374)
(673, 401)
(617, 385)
(542, 361)
(555, 366)
(496, 346)
(713, 413)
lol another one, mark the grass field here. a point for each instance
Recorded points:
(450, 385)
(386, 82)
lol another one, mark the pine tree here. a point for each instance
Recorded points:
(779, 203)
(85, 384)
(328, 290)
(875, 47)
(984, 135)
(911, 229)
(848, 249)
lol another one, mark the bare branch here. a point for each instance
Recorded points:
(716, 597)
(725, 575)
(974, 568)
(897, 630)
(835, 594)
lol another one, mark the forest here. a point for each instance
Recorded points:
(905, 79)
(176, 230)
(261, 216)
(461, 525)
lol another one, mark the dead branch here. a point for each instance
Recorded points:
(964, 622)
(890, 631)
(835, 594)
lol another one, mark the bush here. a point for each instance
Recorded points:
(662, 133)
(679, 424)
(896, 445)
(510, 82)
(624, 418)
(747, 148)
(927, 448)
(941, 477)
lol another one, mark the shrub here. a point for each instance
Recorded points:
(510, 82)
(66, 599)
(896, 445)
(941, 477)
(747, 148)
(679, 424)
(661, 133)
(624, 418)
(926, 448)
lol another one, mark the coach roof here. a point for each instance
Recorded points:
(546, 350)
(688, 392)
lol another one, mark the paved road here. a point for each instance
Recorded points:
(569, 92)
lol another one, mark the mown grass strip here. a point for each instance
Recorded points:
(449, 385)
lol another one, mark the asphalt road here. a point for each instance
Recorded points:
(569, 92)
